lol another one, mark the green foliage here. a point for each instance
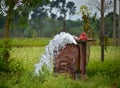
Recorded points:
(2, 21)
(85, 16)
(109, 24)
(109, 68)
(60, 81)
(30, 42)
(99, 74)
(2, 84)
(5, 48)
(84, 10)
(24, 59)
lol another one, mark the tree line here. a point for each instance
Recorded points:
(48, 27)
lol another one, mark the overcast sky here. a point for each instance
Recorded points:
(78, 3)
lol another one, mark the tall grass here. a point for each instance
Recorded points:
(107, 72)
(99, 74)
(25, 57)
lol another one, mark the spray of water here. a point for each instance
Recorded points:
(58, 42)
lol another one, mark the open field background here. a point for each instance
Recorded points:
(28, 42)
(22, 60)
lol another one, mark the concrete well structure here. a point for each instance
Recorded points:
(72, 59)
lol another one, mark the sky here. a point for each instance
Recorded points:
(78, 3)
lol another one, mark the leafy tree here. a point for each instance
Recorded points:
(71, 10)
(108, 30)
(94, 25)
(108, 24)
(8, 8)
(96, 4)
(2, 21)
(85, 16)
(37, 21)
(102, 6)
(23, 7)
(62, 7)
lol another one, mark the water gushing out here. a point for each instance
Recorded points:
(58, 42)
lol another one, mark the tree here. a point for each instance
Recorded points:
(114, 25)
(109, 24)
(72, 9)
(96, 4)
(94, 25)
(37, 19)
(102, 31)
(63, 7)
(23, 7)
(2, 21)
(85, 16)
(8, 7)
(103, 7)
(119, 26)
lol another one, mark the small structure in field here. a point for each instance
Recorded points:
(68, 60)
(72, 58)
(68, 54)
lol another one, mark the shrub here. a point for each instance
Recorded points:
(108, 68)
(5, 48)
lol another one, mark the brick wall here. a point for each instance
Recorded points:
(68, 61)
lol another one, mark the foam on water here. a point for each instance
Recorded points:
(58, 42)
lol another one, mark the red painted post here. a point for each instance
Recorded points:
(83, 43)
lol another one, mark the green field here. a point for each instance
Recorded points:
(28, 42)
(99, 74)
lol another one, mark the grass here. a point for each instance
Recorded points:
(22, 60)
(25, 57)
(29, 42)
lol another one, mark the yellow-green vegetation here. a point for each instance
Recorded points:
(99, 74)
(30, 42)
(25, 58)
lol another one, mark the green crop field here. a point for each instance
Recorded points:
(28, 42)
(99, 74)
